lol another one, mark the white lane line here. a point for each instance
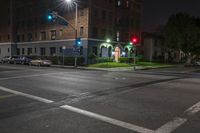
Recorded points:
(108, 120)
(26, 95)
(193, 110)
(7, 96)
(171, 126)
(29, 76)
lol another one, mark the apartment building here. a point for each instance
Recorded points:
(25, 29)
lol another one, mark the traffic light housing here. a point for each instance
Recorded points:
(78, 42)
(135, 40)
(77, 45)
(51, 16)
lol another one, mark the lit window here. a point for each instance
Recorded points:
(118, 36)
(127, 3)
(53, 35)
(119, 3)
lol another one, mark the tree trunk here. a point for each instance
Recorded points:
(189, 59)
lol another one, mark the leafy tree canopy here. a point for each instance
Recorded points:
(182, 32)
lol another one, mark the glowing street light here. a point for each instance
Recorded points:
(76, 24)
(68, 1)
(108, 40)
(76, 19)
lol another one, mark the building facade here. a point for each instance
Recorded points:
(25, 29)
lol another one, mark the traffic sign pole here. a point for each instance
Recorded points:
(63, 50)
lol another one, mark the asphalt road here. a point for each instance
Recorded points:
(56, 100)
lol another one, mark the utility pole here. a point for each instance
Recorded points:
(13, 45)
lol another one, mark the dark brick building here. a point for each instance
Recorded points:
(25, 29)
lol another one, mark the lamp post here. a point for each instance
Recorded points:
(134, 56)
(76, 25)
(63, 50)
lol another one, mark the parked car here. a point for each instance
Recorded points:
(15, 60)
(5, 59)
(197, 63)
(25, 60)
(40, 62)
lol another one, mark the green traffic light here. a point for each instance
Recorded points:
(50, 17)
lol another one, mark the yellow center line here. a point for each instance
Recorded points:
(7, 96)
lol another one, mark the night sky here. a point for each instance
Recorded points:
(156, 12)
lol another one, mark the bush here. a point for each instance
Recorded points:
(123, 59)
(58, 60)
(104, 59)
(92, 56)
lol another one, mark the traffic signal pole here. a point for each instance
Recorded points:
(55, 14)
(134, 58)
(76, 32)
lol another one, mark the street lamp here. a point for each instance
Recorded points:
(108, 40)
(76, 24)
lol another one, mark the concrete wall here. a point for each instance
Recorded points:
(5, 49)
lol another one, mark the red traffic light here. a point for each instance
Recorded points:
(134, 40)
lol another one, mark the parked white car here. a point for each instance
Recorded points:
(6, 59)
(40, 62)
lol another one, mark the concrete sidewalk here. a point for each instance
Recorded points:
(101, 69)
(181, 67)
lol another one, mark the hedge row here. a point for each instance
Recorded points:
(58, 60)
(129, 60)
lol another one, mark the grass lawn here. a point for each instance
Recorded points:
(142, 64)
(153, 64)
(110, 65)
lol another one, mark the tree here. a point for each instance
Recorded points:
(182, 32)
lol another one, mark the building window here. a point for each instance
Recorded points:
(127, 3)
(103, 15)
(42, 51)
(0, 51)
(61, 33)
(18, 51)
(8, 50)
(82, 12)
(60, 50)
(118, 36)
(18, 38)
(94, 50)
(119, 3)
(43, 36)
(156, 43)
(52, 51)
(103, 33)
(29, 51)
(23, 51)
(110, 18)
(81, 50)
(8, 37)
(96, 12)
(35, 50)
(95, 32)
(23, 38)
(53, 35)
(81, 31)
(30, 37)
(35, 35)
